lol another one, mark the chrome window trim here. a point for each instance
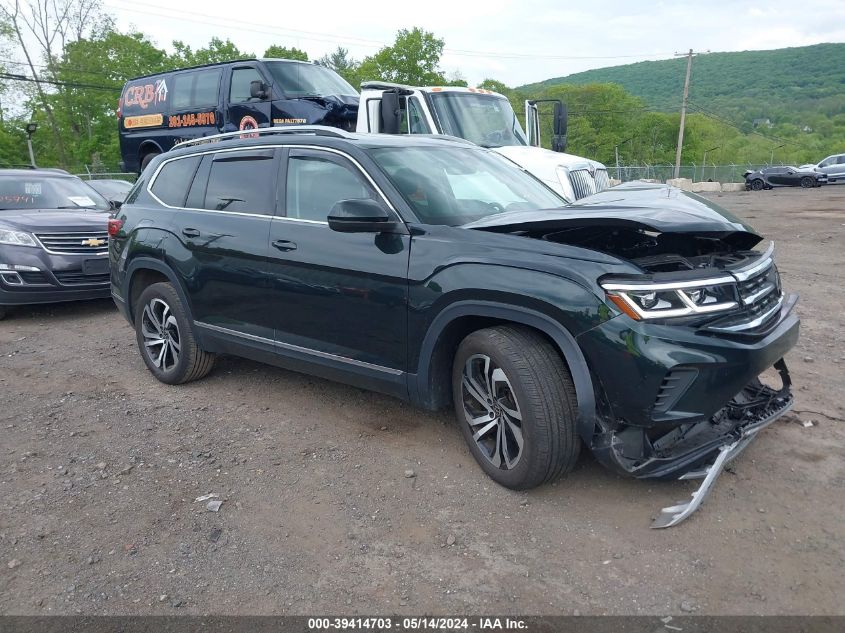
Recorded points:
(298, 348)
(330, 150)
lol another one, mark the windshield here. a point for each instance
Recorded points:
(485, 120)
(299, 79)
(456, 185)
(40, 192)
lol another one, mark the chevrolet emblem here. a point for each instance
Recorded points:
(93, 242)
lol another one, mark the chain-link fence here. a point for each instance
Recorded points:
(102, 174)
(696, 173)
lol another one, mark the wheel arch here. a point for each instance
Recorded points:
(147, 147)
(431, 387)
(145, 271)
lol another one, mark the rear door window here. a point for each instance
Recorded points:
(174, 179)
(242, 182)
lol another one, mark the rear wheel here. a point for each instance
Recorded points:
(808, 182)
(757, 184)
(165, 338)
(516, 406)
(147, 159)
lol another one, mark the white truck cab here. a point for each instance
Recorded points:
(486, 118)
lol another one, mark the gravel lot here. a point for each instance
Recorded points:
(101, 465)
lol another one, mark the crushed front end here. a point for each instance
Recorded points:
(680, 396)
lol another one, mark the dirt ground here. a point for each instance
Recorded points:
(100, 465)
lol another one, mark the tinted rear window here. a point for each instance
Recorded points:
(171, 184)
(242, 181)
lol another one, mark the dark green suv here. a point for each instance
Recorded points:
(636, 321)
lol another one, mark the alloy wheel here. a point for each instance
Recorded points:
(492, 412)
(162, 342)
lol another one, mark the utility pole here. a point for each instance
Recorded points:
(683, 115)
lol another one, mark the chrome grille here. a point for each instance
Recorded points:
(81, 243)
(583, 183)
(602, 180)
(761, 296)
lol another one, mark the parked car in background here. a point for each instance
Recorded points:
(771, 177)
(635, 322)
(833, 166)
(113, 190)
(53, 239)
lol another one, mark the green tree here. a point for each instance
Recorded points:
(217, 51)
(413, 59)
(283, 52)
(495, 85)
(92, 72)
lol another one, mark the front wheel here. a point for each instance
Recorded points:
(757, 184)
(165, 338)
(515, 403)
(807, 182)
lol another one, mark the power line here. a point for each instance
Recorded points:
(67, 84)
(357, 41)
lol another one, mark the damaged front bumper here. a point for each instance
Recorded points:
(693, 403)
(759, 406)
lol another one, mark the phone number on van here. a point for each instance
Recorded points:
(191, 120)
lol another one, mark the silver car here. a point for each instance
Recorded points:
(833, 166)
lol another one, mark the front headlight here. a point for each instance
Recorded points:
(16, 238)
(672, 299)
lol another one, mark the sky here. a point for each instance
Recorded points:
(516, 42)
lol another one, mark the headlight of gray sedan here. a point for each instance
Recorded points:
(16, 238)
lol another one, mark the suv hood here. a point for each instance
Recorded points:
(637, 205)
(35, 220)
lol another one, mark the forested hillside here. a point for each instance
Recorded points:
(802, 86)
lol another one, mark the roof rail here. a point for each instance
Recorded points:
(317, 130)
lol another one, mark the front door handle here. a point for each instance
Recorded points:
(188, 232)
(284, 245)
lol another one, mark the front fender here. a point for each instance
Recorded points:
(419, 386)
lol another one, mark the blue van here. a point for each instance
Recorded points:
(157, 111)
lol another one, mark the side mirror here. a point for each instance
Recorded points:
(389, 112)
(115, 204)
(559, 127)
(258, 89)
(362, 216)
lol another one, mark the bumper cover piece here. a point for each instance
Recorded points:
(761, 415)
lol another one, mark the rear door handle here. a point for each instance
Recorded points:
(190, 232)
(284, 245)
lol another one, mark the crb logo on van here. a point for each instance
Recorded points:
(145, 94)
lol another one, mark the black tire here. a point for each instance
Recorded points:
(175, 358)
(147, 159)
(757, 184)
(538, 383)
(2, 313)
(808, 182)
